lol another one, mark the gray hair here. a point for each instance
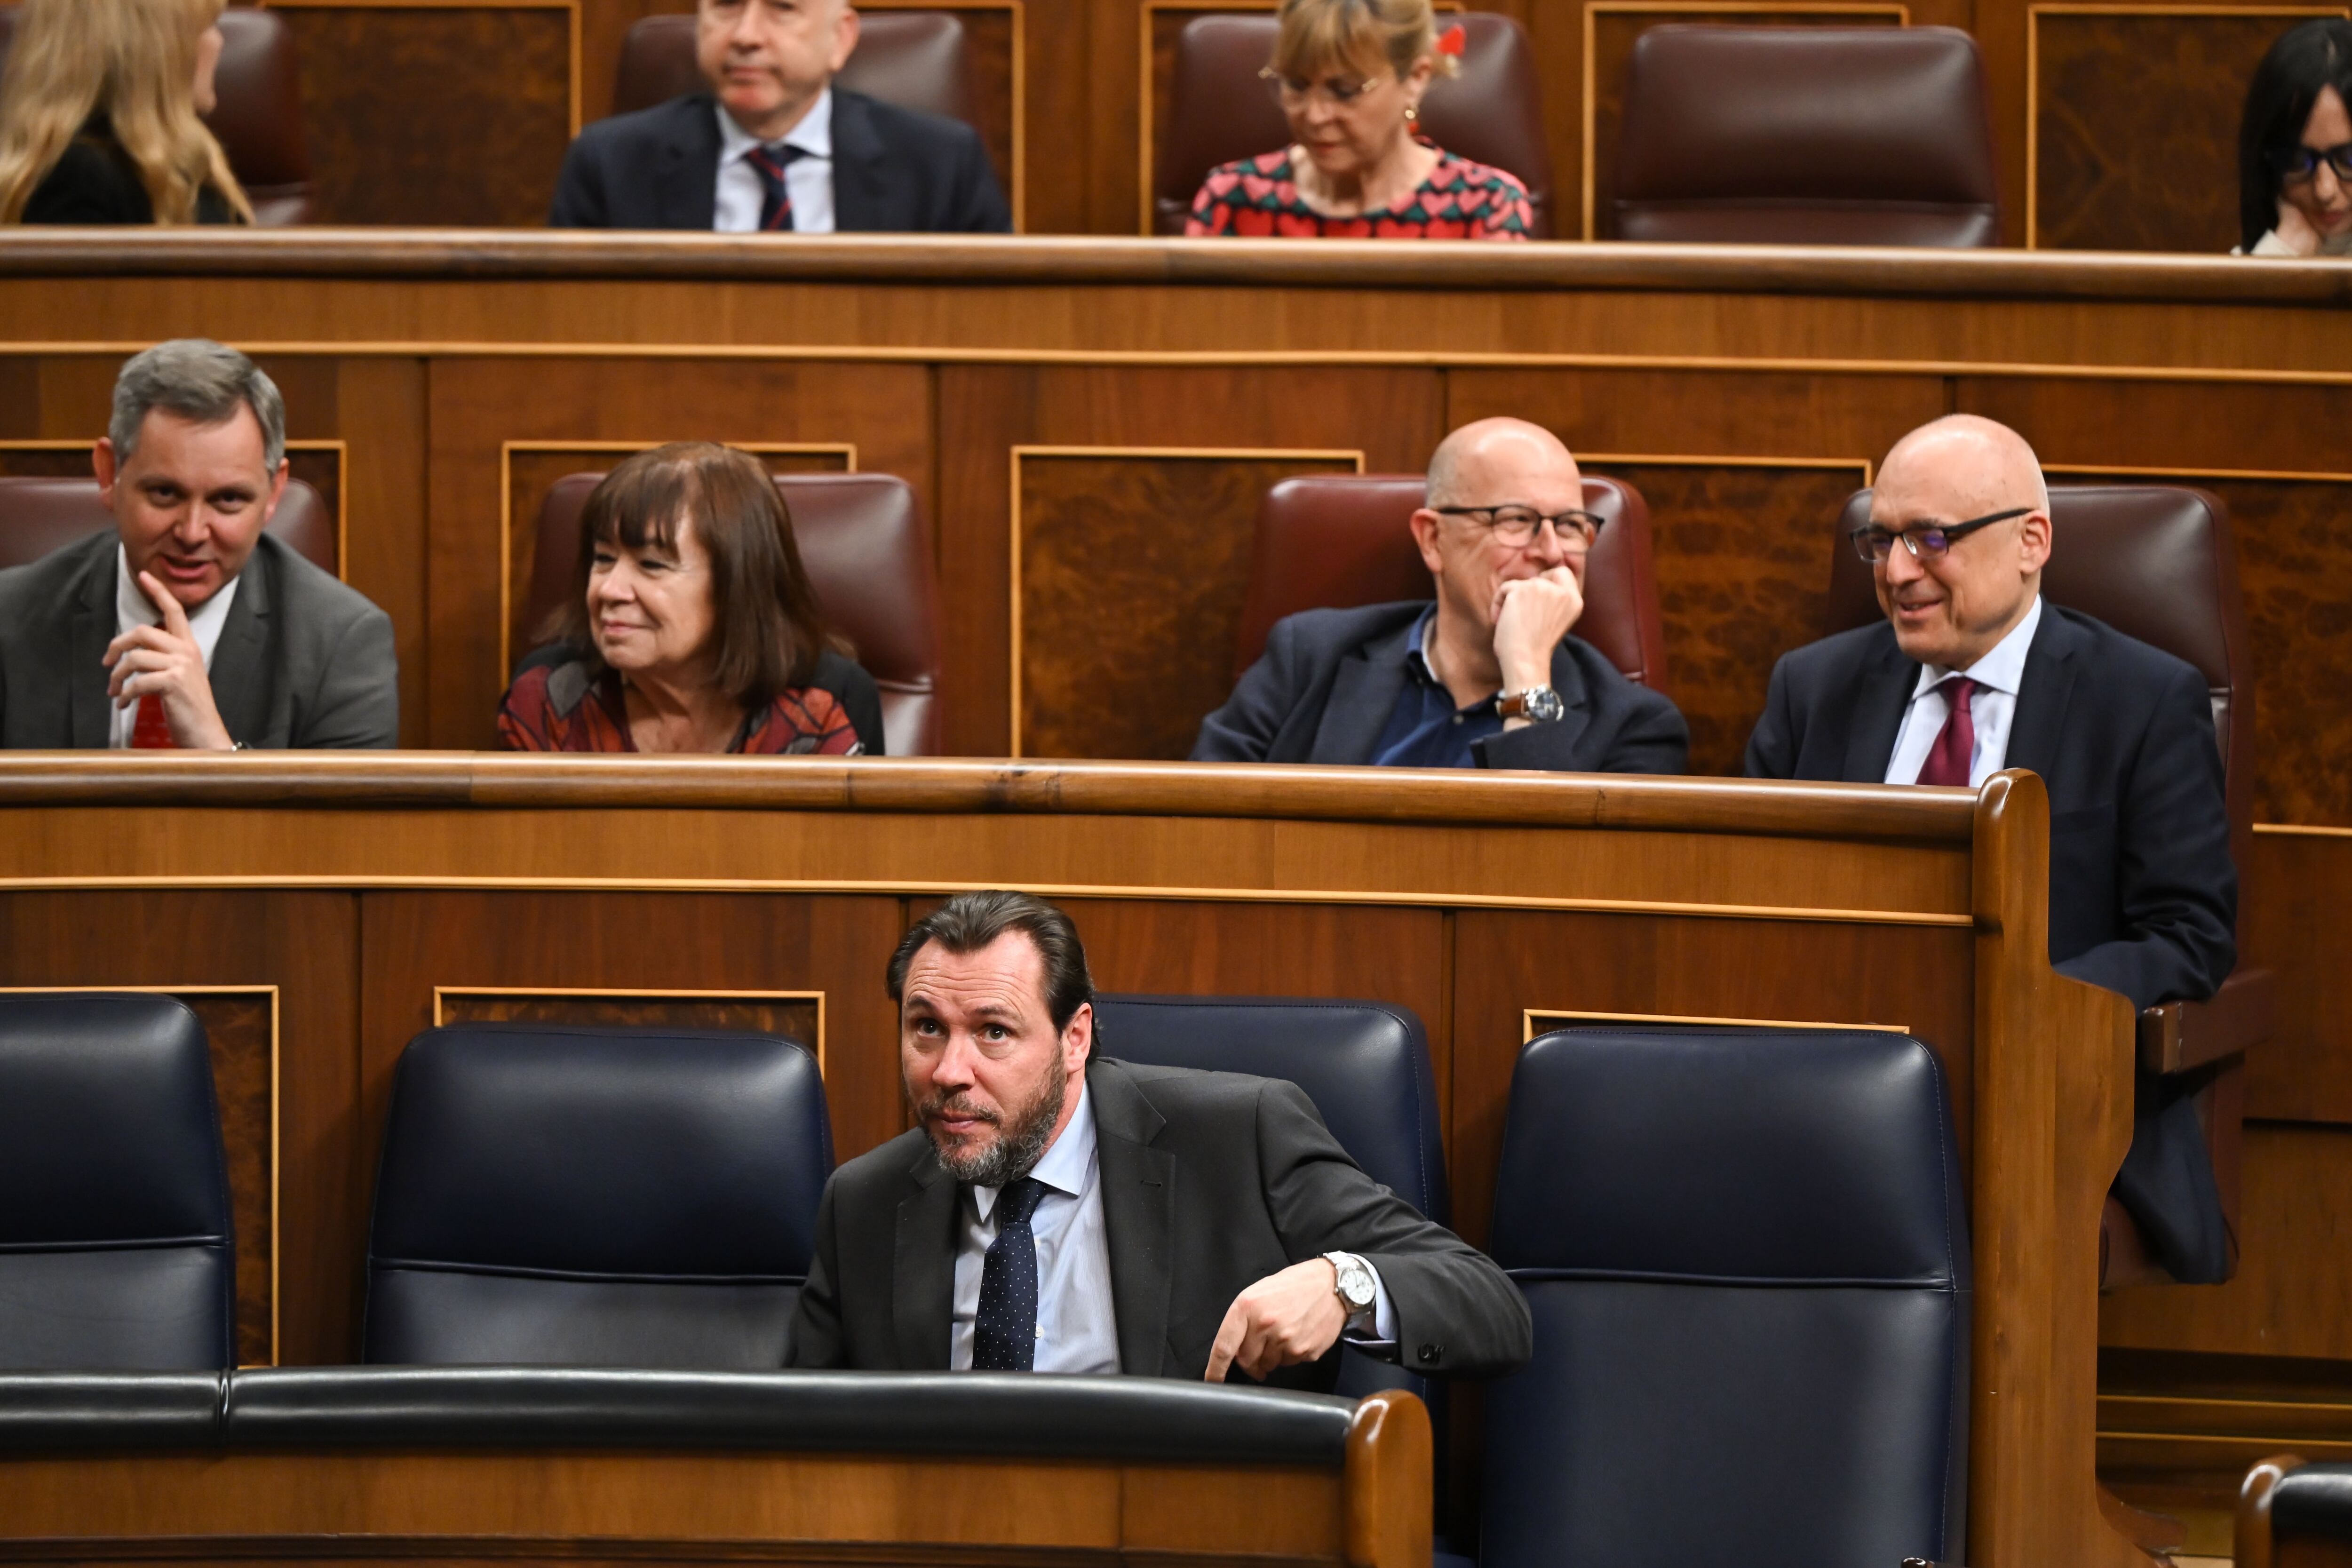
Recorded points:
(196, 379)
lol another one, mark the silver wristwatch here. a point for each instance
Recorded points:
(1540, 703)
(1352, 1283)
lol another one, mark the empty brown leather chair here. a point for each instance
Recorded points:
(2156, 563)
(40, 515)
(1806, 136)
(1334, 541)
(258, 119)
(1491, 111)
(915, 60)
(867, 557)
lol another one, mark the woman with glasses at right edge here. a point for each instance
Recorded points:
(2294, 146)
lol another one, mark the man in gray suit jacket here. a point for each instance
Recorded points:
(188, 627)
(1061, 1212)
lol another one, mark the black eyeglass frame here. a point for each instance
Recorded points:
(1494, 523)
(1915, 540)
(2299, 163)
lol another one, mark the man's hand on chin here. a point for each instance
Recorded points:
(1281, 1320)
(165, 662)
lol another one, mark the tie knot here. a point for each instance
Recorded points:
(1957, 690)
(769, 158)
(1017, 1201)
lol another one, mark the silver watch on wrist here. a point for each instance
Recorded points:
(1352, 1283)
(1539, 704)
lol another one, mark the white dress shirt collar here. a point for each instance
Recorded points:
(133, 609)
(2003, 669)
(1065, 1165)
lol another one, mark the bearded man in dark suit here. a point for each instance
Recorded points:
(1973, 671)
(1056, 1211)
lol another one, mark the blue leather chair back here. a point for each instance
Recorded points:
(595, 1197)
(1747, 1259)
(116, 1245)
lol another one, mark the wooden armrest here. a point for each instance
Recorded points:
(2177, 1035)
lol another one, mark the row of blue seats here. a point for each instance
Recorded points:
(1744, 1249)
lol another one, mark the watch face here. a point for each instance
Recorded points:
(1356, 1285)
(1543, 704)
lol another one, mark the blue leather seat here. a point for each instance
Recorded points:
(116, 1244)
(1747, 1259)
(595, 1197)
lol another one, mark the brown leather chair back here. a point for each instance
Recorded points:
(2156, 562)
(1336, 540)
(1806, 136)
(866, 556)
(915, 60)
(259, 116)
(40, 515)
(1491, 111)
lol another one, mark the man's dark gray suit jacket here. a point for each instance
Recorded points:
(302, 661)
(895, 171)
(1209, 1182)
(1328, 680)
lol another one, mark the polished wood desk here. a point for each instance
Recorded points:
(367, 896)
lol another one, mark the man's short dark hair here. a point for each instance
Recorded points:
(970, 922)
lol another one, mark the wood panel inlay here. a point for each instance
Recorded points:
(440, 115)
(2134, 130)
(796, 1016)
(530, 469)
(1128, 571)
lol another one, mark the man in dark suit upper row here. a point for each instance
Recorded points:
(1973, 671)
(774, 147)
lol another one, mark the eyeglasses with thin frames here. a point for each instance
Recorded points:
(1874, 543)
(1340, 92)
(1517, 525)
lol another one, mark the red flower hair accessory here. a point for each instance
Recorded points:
(1450, 41)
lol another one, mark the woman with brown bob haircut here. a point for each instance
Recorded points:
(691, 626)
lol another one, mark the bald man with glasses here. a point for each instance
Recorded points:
(1973, 671)
(1489, 674)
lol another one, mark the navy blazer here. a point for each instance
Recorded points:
(2143, 893)
(895, 171)
(1328, 680)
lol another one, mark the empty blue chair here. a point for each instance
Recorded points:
(117, 1250)
(595, 1197)
(1747, 1256)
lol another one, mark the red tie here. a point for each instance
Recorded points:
(150, 731)
(1949, 758)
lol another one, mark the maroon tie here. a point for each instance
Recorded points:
(1949, 758)
(150, 731)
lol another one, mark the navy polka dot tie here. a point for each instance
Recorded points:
(1004, 1337)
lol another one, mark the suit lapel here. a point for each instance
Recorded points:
(1879, 702)
(860, 198)
(1364, 693)
(687, 168)
(922, 1279)
(1138, 1187)
(241, 674)
(90, 715)
(1576, 701)
(2043, 692)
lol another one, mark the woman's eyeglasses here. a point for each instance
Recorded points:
(1875, 545)
(1518, 526)
(1340, 92)
(2298, 163)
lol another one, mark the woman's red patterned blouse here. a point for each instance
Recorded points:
(562, 708)
(1257, 198)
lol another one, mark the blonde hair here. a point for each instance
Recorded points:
(135, 61)
(1317, 33)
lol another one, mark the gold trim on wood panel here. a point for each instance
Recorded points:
(1902, 14)
(1219, 454)
(1688, 460)
(2033, 14)
(2303, 830)
(276, 1263)
(1528, 1017)
(2126, 470)
(1018, 175)
(904, 889)
(340, 448)
(643, 995)
(507, 450)
(571, 6)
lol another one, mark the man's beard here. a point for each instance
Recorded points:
(1019, 1144)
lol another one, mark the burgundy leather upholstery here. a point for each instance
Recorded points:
(1806, 136)
(2156, 562)
(869, 558)
(260, 117)
(1332, 542)
(915, 60)
(39, 515)
(1491, 111)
